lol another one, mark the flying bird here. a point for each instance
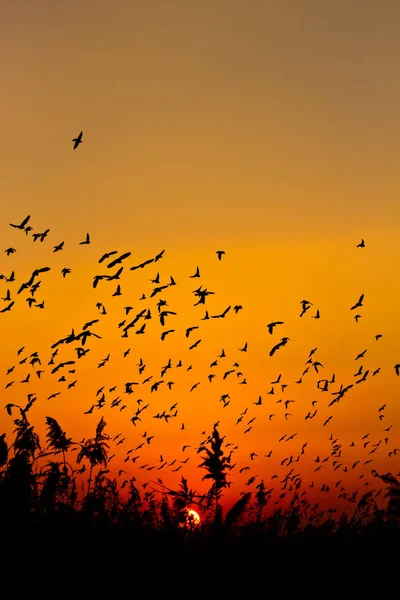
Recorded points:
(22, 224)
(359, 303)
(9, 306)
(222, 315)
(58, 247)
(77, 140)
(305, 304)
(118, 260)
(272, 325)
(361, 244)
(159, 255)
(190, 329)
(283, 342)
(86, 240)
(107, 255)
(143, 264)
(40, 236)
(196, 274)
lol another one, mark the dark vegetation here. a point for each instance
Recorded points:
(65, 508)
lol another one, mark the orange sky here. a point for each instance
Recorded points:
(267, 130)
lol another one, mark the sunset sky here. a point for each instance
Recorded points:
(269, 130)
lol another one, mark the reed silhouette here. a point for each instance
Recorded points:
(51, 500)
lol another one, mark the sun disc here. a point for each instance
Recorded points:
(193, 516)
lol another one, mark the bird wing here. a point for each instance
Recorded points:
(274, 349)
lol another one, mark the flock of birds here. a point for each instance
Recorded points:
(76, 345)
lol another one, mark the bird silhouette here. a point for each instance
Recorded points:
(107, 255)
(86, 240)
(142, 265)
(196, 274)
(22, 224)
(118, 260)
(283, 342)
(59, 247)
(222, 315)
(159, 256)
(77, 140)
(272, 325)
(190, 329)
(359, 303)
(8, 307)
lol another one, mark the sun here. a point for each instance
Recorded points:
(192, 519)
(193, 516)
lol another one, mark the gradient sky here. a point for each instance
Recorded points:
(266, 129)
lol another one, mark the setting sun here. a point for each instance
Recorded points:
(193, 517)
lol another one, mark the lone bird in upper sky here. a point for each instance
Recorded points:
(219, 253)
(361, 244)
(77, 140)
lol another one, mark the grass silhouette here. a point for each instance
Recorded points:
(46, 502)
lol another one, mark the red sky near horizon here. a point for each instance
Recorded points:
(266, 131)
